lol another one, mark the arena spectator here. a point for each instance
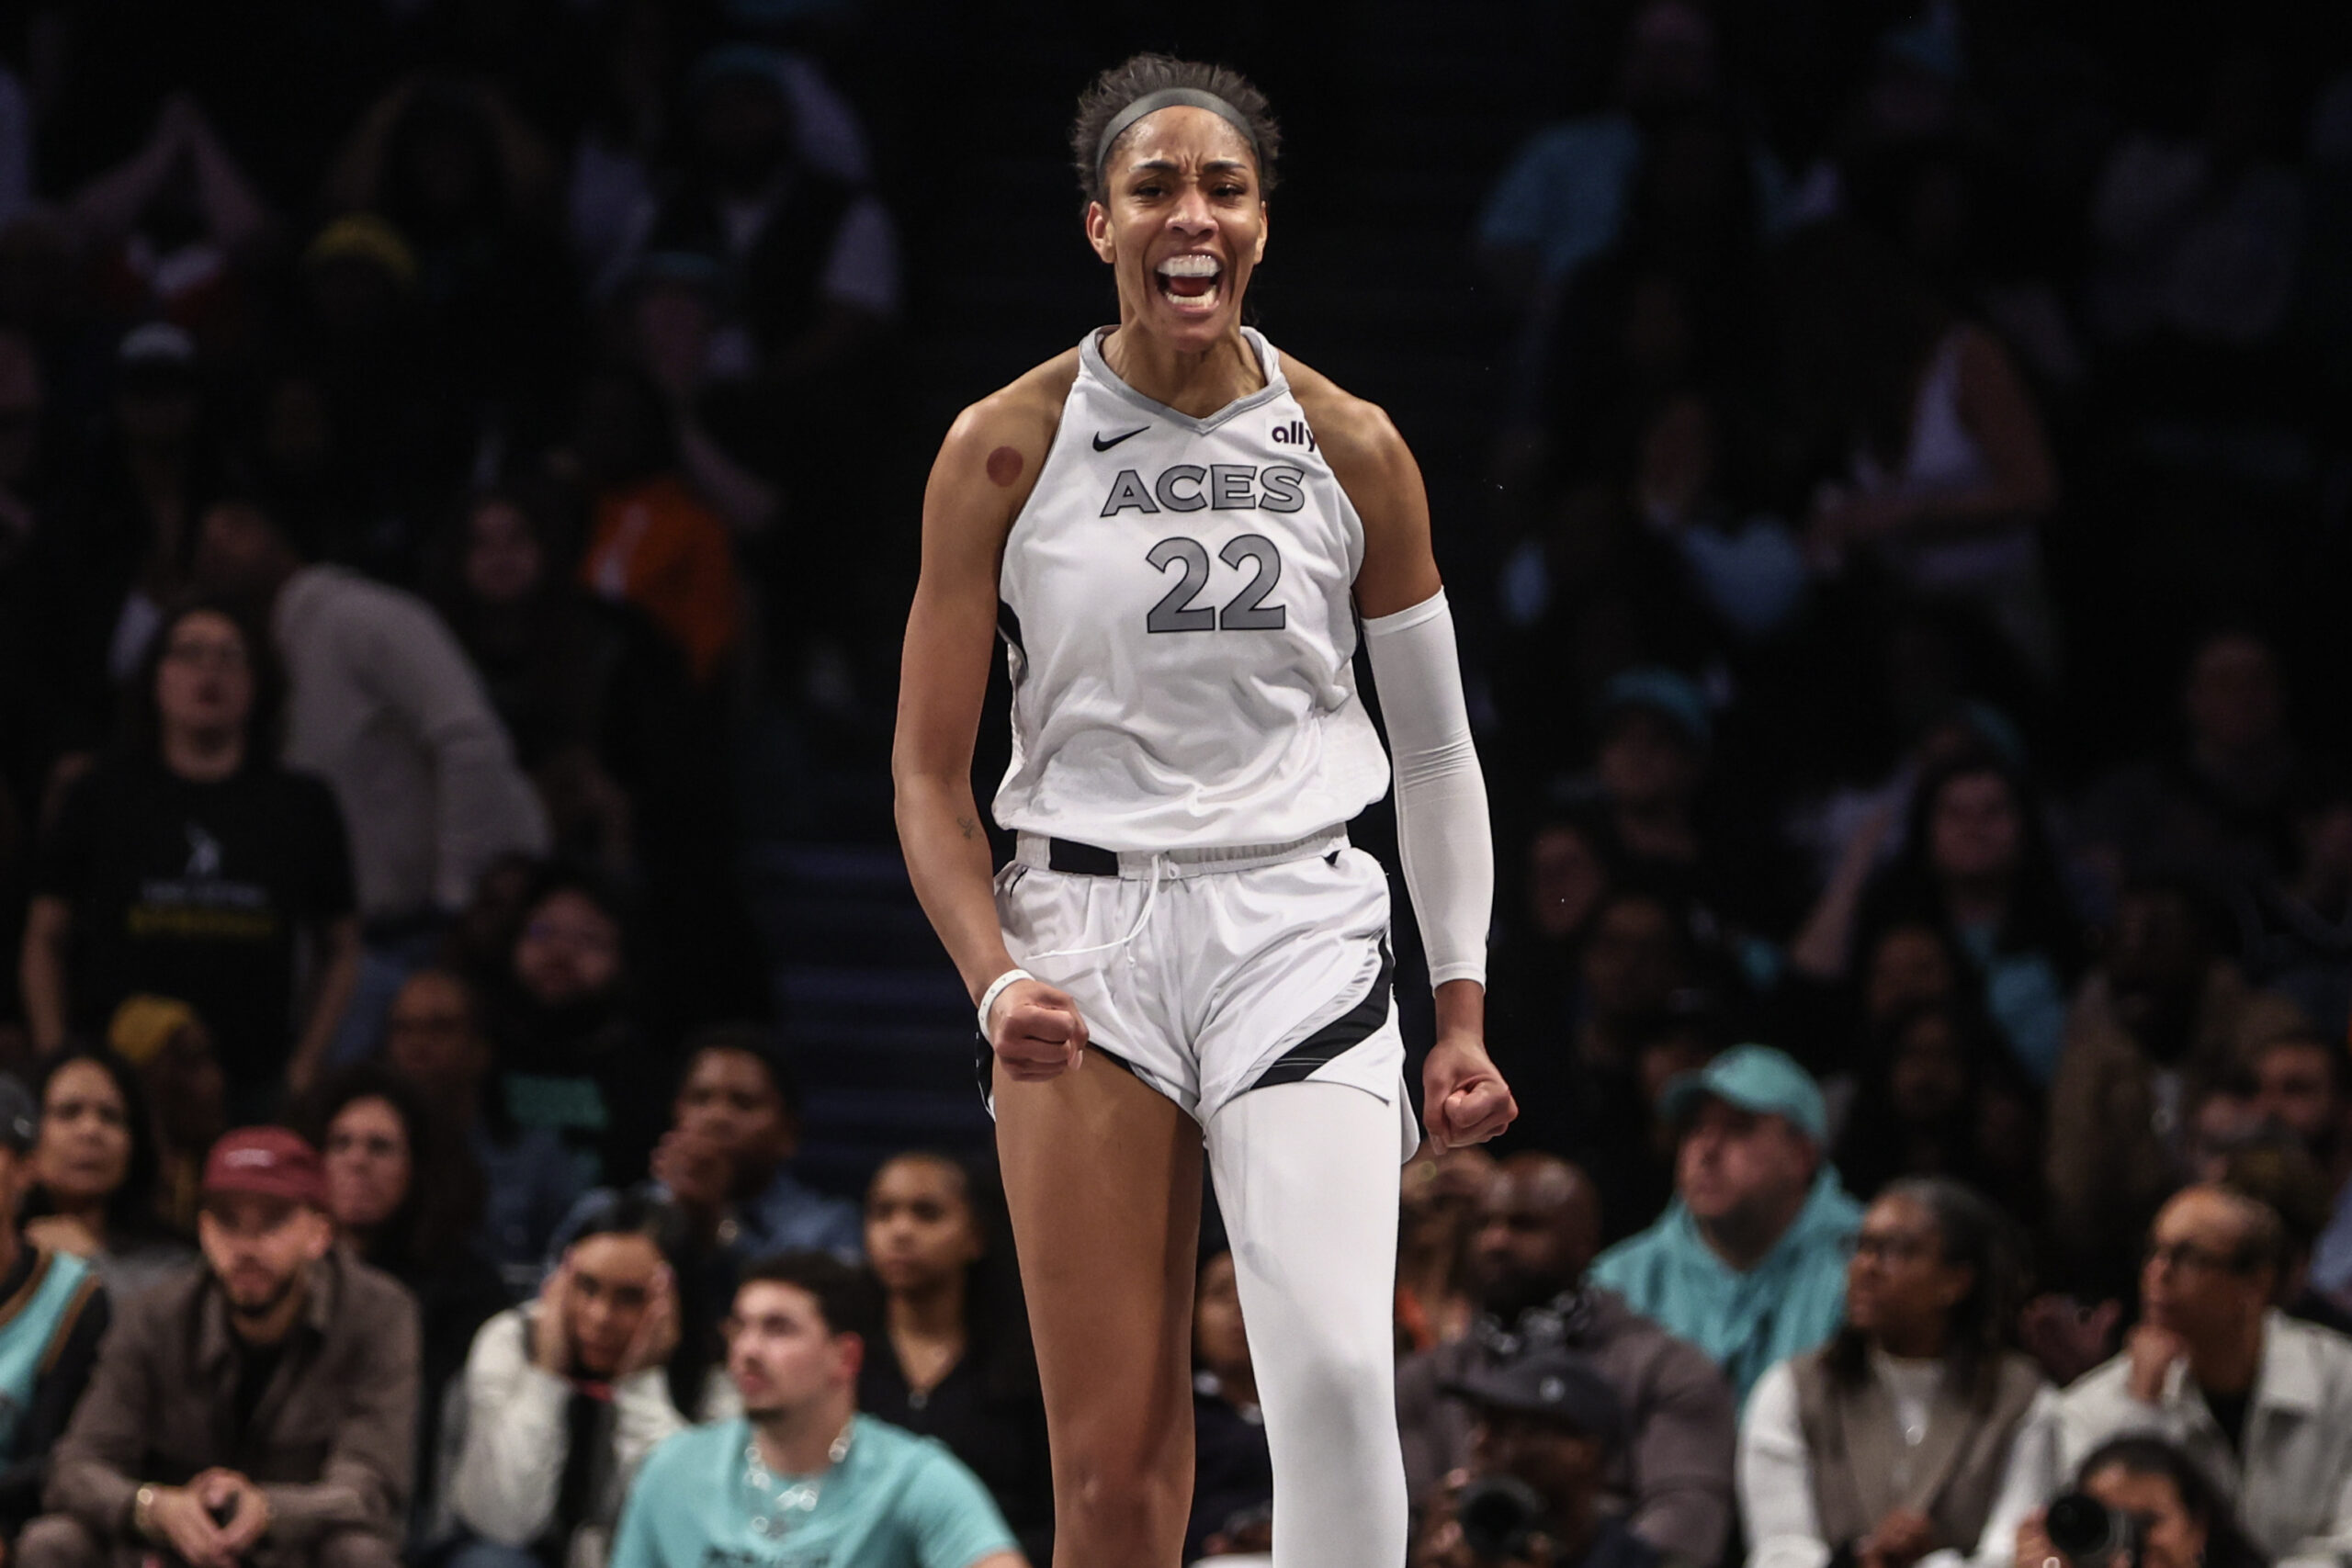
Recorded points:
(652, 542)
(572, 1057)
(1978, 864)
(801, 1462)
(95, 1173)
(168, 1043)
(562, 1399)
(263, 1401)
(434, 1037)
(2275, 1172)
(2297, 926)
(953, 1360)
(2217, 807)
(405, 1200)
(58, 1312)
(2165, 1016)
(1437, 1221)
(191, 865)
(1550, 1422)
(1940, 1095)
(1748, 1261)
(1670, 1476)
(381, 704)
(2261, 1403)
(1233, 1471)
(1947, 470)
(1916, 1434)
(2187, 1521)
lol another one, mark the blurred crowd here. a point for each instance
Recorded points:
(431, 434)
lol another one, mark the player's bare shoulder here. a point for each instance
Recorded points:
(1355, 436)
(1001, 441)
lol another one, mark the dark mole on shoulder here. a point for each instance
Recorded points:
(1005, 464)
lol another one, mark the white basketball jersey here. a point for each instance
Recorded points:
(1176, 596)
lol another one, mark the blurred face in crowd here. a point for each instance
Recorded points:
(431, 1036)
(1735, 1168)
(237, 551)
(204, 682)
(503, 561)
(610, 1283)
(188, 1091)
(260, 1248)
(1670, 58)
(920, 1232)
(730, 1099)
(782, 1354)
(368, 1164)
(2222, 1123)
(1634, 961)
(1646, 761)
(1909, 965)
(1565, 881)
(1899, 1284)
(1975, 832)
(2170, 1536)
(1927, 1080)
(2326, 839)
(1219, 1341)
(569, 949)
(1539, 1227)
(2294, 1088)
(23, 399)
(2233, 702)
(84, 1153)
(2157, 951)
(2196, 1280)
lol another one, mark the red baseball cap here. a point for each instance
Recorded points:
(269, 1162)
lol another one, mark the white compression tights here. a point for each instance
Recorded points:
(1307, 1177)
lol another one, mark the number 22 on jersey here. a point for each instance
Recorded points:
(1245, 612)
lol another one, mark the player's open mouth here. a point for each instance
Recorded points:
(1190, 283)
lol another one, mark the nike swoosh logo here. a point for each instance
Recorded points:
(1102, 446)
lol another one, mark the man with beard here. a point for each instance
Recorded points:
(259, 1408)
(801, 1478)
(1539, 1227)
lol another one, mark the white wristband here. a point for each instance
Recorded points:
(996, 989)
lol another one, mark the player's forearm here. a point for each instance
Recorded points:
(947, 859)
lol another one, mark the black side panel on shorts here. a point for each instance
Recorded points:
(1350, 1028)
(984, 1063)
(1008, 625)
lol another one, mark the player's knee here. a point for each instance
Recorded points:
(1344, 1391)
(1121, 1496)
(58, 1540)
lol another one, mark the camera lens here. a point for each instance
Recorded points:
(2087, 1529)
(1497, 1514)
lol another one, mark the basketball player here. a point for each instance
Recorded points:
(1173, 528)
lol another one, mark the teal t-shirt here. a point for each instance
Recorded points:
(894, 1501)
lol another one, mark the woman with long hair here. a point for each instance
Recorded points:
(1916, 1430)
(1174, 530)
(96, 1173)
(955, 1361)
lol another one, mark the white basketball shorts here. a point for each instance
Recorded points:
(1211, 973)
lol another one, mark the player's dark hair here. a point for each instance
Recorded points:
(844, 1296)
(1141, 74)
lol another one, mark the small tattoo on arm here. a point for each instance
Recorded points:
(969, 829)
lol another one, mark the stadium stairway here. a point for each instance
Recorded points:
(1397, 120)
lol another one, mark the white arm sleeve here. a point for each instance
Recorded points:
(1443, 834)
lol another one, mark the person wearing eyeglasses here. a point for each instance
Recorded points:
(1917, 1434)
(190, 865)
(2263, 1403)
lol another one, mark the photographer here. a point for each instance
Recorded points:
(2262, 1403)
(1548, 1426)
(2160, 1511)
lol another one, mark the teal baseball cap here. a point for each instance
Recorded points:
(1757, 1079)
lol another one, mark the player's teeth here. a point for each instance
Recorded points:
(1188, 266)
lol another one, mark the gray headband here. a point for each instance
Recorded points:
(1171, 97)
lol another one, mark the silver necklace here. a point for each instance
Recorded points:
(780, 1501)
